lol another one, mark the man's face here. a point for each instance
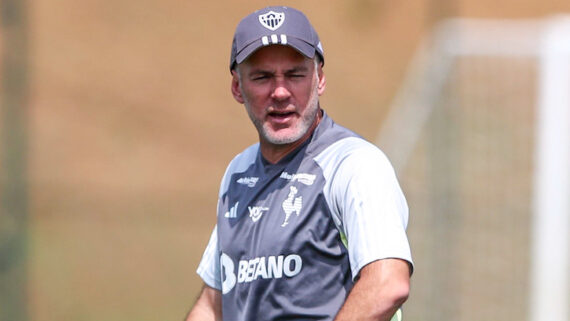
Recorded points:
(280, 89)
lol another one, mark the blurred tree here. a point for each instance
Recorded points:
(13, 153)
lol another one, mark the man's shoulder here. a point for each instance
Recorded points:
(240, 163)
(246, 157)
(352, 146)
(353, 156)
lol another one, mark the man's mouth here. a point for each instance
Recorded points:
(280, 117)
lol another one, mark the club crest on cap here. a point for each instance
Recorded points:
(272, 20)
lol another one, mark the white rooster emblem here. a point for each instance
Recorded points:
(292, 204)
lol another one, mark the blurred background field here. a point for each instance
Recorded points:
(127, 124)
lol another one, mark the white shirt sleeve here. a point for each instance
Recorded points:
(209, 267)
(367, 203)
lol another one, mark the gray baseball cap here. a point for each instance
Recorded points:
(275, 26)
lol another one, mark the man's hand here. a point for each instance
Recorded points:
(383, 286)
(208, 307)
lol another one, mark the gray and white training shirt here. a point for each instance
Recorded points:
(290, 237)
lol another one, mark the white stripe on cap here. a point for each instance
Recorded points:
(282, 39)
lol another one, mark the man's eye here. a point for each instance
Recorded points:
(297, 75)
(261, 77)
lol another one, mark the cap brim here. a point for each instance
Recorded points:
(301, 46)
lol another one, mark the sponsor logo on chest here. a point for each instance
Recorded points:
(263, 267)
(255, 212)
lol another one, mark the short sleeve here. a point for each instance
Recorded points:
(367, 204)
(209, 267)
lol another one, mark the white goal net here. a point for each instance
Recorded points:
(480, 137)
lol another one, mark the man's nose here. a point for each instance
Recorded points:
(280, 91)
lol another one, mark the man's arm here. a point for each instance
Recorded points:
(208, 307)
(382, 287)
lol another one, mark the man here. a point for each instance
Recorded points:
(311, 220)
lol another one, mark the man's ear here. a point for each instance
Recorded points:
(235, 87)
(322, 80)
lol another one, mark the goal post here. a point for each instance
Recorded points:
(549, 298)
(479, 134)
